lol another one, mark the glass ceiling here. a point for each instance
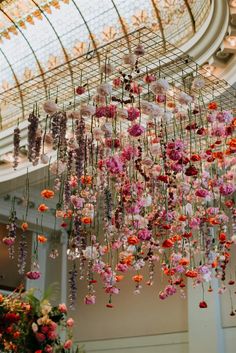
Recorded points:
(36, 36)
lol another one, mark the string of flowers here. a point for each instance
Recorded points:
(146, 178)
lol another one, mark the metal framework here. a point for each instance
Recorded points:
(21, 95)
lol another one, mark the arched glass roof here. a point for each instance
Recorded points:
(37, 36)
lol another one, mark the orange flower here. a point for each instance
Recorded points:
(213, 221)
(42, 207)
(184, 261)
(191, 273)
(86, 220)
(24, 226)
(133, 240)
(86, 179)
(232, 144)
(42, 239)
(47, 194)
(119, 278)
(176, 238)
(212, 106)
(128, 260)
(218, 155)
(182, 218)
(137, 278)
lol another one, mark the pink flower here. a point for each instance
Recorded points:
(44, 329)
(136, 130)
(194, 223)
(40, 337)
(162, 295)
(114, 164)
(129, 152)
(227, 189)
(53, 326)
(52, 335)
(70, 322)
(224, 117)
(144, 234)
(48, 349)
(160, 98)
(122, 267)
(89, 299)
(77, 201)
(117, 82)
(62, 308)
(9, 241)
(68, 344)
(174, 155)
(202, 193)
(133, 113)
(33, 275)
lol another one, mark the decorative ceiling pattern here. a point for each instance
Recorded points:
(38, 36)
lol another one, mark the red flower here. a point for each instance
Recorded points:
(168, 243)
(191, 171)
(222, 237)
(203, 305)
(191, 273)
(212, 106)
(187, 235)
(80, 90)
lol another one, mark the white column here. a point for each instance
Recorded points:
(204, 325)
(39, 284)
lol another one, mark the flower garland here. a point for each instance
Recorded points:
(145, 176)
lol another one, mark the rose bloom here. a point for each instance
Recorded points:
(62, 308)
(67, 344)
(70, 322)
(42, 207)
(48, 349)
(40, 337)
(47, 194)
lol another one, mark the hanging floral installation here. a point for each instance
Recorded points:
(35, 325)
(144, 176)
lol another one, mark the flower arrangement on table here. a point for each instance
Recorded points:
(35, 326)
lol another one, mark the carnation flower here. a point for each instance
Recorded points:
(133, 114)
(129, 59)
(136, 130)
(87, 110)
(33, 275)
(50, 107)
(227, 189)
(159, 86)
(184, 98)
(104, 89)
(89, 299)
(106, 69)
